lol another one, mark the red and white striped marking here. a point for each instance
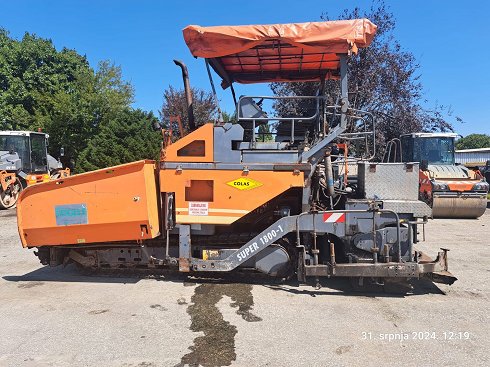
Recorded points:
(334, 217)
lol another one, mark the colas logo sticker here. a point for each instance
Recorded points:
(244, 183)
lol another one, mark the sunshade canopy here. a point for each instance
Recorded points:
(278, 52)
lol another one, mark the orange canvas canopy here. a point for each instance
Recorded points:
(278, 52)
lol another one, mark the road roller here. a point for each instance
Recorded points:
(452, 190)
(228, 198)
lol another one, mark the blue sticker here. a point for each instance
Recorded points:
(67, 215)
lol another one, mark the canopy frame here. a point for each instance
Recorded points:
(279, 52)
(328, 65)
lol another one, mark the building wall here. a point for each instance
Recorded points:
(479, 157)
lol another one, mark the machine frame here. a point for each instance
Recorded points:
(220, 200)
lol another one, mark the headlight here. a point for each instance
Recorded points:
(439, 186)
(481, 186)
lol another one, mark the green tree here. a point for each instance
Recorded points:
(95, 100)
(229, 117)
(59, 92)
(31, 72)
(383, 80)
(125, 138)
(174, 104)
(474, 141)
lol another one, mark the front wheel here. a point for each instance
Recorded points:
(9, 197)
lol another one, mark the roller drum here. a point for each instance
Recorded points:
(458, 206)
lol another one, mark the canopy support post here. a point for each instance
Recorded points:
(344, 90)
(322, 120)
(318, 150)
(220, 114)
(233, 93)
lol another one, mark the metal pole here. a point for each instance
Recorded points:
(292, 131)
(220, 114)
(344, 90)
(332, 253)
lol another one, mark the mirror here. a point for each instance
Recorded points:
(156, 126)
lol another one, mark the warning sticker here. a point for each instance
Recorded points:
(198, 208)
(244, 183)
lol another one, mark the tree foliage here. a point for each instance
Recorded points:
(60, 93)
(229, 117)
(125, 138)
(80, 113)
(31, 73)
(174, 104)
(383, 79)
(474, 141)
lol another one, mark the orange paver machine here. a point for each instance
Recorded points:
(225, 197)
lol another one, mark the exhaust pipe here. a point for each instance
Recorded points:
(188, 94)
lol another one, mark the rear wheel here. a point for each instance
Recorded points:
(9, 197)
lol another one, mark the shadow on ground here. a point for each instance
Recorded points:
(325, 287)
(70, 274)
(8, 213)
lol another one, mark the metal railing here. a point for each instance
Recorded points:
(293, 120)
(361, 123)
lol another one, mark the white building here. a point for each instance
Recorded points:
(472, 157)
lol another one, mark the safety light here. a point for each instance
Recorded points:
(439, 186)
(481, 186)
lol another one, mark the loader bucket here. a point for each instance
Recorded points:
(113, 204)
(455, 206)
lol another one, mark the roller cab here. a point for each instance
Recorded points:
(113, 204)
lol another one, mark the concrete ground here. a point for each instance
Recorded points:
(59, 317)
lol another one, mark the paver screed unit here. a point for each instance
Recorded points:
(226, 198)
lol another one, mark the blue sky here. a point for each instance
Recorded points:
(448, 39)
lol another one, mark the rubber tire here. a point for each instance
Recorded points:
(10, 205)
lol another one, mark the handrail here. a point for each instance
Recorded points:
(361, 119)
(293, 120)
(279, 118)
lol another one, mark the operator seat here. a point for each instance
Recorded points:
(250, 110)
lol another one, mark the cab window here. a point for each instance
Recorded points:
(38, 153)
